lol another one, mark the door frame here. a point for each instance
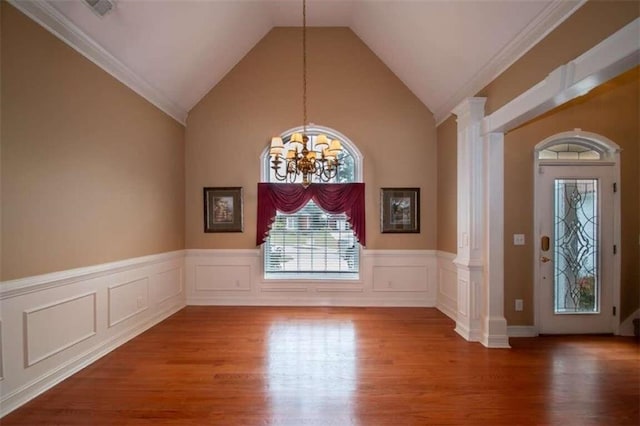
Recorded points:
(609, 157)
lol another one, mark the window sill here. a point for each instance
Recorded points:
(311, 276)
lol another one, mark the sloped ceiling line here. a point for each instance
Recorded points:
(166, 91)
(56, 23)
(552, 16)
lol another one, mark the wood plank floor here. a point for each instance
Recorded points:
(342, 366)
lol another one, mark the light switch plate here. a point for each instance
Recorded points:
(518, 239)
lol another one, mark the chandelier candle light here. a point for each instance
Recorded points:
(305, 157)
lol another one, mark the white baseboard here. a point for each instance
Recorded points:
(84, 313)
(626, 326)
(521, 331)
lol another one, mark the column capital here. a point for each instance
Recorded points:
(470, 109)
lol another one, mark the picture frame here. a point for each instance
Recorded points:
(399, 210)
(223, 209)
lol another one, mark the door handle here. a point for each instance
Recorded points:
(544, 259)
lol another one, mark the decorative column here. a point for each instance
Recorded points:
(471, 244)
(494, 324)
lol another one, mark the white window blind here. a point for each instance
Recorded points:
(311, 243)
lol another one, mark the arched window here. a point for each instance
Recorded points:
(312, 243)
(576, 145)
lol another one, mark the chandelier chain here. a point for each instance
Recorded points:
(318, 159)
(304, 66)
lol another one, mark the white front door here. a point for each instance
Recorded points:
(575, 249)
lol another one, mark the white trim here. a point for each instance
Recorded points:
(60, 26)
(445, 255)
(494, 334)
(551, 17)
(522, 331)
(22, 286)
(616, 54)
(471, 213)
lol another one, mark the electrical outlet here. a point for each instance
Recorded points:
(519, 305)
(518, 239)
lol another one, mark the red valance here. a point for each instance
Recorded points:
(288, 198)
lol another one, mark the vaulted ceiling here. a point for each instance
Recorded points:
(173, 52)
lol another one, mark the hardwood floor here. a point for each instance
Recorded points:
(342, 366)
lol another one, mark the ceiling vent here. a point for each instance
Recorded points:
(100, 7)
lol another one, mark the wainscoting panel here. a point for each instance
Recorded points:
(223, 277)
(128, 299)
(447, 285)
(234, 277)
(400, 278)
(166, 285)
(50, 329)
(55, 324)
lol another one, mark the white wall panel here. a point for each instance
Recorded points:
(55, 324)
(233, 277)
(223, 277)
(166, 285)
(400, 278)
(50, 329)
(447, 285)
(128, 299)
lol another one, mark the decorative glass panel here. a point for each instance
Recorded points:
(568, 151)
(576, 246)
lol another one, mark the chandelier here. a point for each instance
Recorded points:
(307, 156)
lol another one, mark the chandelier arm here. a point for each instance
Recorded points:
(276, 170)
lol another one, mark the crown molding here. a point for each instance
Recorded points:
(59, 25)
(546, 21)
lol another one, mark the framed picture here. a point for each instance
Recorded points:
(400, 210)
(223, 209)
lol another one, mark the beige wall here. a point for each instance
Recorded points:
(350, 90)
(91, 172)
(610, 110)
(592, 23)
(588, 26)
(447, 186)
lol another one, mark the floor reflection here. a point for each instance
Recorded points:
(311, 372)
(570, 399)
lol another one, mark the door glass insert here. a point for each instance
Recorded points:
(576, 246)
